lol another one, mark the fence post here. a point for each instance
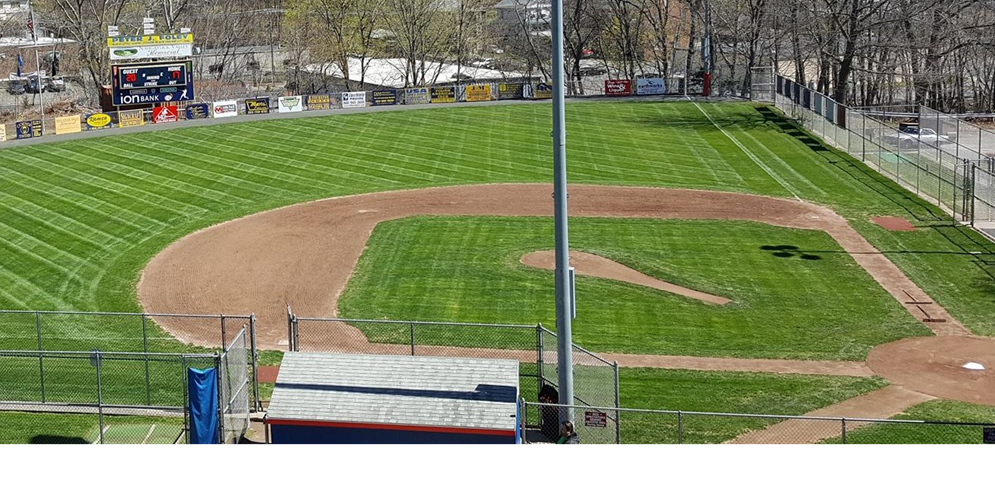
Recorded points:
(618, 413)
(224, 335)
(290, 329)
(411, 332)
(100, 399)
(257, 405)
(221, 398)
(680, 427)
(145, 347)
(186, 399)
(539, 359)
(41, 357)
(843, 432)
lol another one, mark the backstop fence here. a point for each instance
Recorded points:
(534, 346)
(955, 178)
(644, 426)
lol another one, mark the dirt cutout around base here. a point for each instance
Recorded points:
(591, 265)
(304, 254)
(894, 224)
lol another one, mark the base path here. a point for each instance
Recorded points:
(881, 404)
(591, 265)
(304, 255)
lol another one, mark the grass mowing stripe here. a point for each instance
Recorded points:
(780, 164)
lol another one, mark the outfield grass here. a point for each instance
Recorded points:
(795, 293)
(35, 428)
(78, 220)
(723, 392)
(938, 410)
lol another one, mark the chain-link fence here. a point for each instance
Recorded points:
(642, 426)
(122, 332)
(106, 397)
(595, 379)
(234, 388)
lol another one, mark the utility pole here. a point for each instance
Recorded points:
(563, 289)
(707, 50)
(41, 85)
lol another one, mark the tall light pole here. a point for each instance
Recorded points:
(564, 307)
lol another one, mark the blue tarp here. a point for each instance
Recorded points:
(202, 384)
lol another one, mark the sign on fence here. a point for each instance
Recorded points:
(542, 91)
(511, 91)
(131, 118)
(384, 97)
(29, 129)
(165, 115)
(595, 419)
(225, 108)
(198, 111)
(417, 96)
(443, 95)
(352, 100)
(319, 102)
(650, 86)
(291, 104)
(618, 88)
(988, 435)
(134, 41)
(3, 133)
(67, 125)
(257, 106)
(99, 122)
(478, 93)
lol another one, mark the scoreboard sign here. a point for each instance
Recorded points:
(152, 83)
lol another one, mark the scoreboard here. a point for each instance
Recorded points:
(148, 76)
(137, 84)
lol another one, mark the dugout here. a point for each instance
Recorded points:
(365, 399)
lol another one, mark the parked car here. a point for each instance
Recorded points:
(908, 136)
(16, 87)
(55, 84)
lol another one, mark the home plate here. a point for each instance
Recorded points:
(973, 366)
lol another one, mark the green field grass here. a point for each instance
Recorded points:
(795, 293)
(35, 428)
(931, 433)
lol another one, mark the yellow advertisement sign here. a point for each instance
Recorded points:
(141, 40)
(98, 121)
(3, 133)
(478, 93)
(131, 118)
(67, 125)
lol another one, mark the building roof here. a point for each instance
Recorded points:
(457, 393)
(390, 72)
(506, 4)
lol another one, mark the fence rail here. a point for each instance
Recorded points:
(646, 426)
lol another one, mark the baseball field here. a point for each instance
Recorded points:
(432, 214)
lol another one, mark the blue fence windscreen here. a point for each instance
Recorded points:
(202, 384)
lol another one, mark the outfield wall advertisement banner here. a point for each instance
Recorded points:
(478, 93)
(257, 106)
(29, 129)
(384, 97)
(3, 133)
(650, 86)
(319, 102)
(618, 88)
(225, 108)
(417, 96)
(130, 118)
(139, 41)
(291, 104)
(542, 91)
(443, 95)
(68, 125)
(165, 115)
(511, 91)
(144, 52)
(99, 122)
(352, 100)
(198, 111)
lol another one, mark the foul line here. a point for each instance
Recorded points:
(149, 435)
(751, 155)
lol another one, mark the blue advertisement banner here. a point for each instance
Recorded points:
(198, 111)
(417, 96)
(384, 97)
(29, 129)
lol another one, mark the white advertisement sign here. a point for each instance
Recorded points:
(140, 52)
(650, 86)
(291, 104)
(352, 100)
(225, 108)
